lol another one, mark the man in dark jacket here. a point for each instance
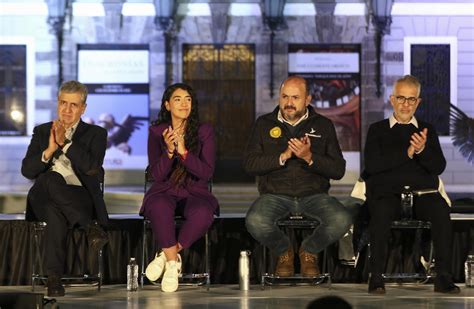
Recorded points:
(294, 152)
(404, 151)
(65, 159)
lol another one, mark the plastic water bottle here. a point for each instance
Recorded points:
(132, 275)
(407, 202)
(244, 271)
(469, 271)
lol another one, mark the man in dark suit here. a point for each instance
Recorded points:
(404, 151)
(65, 159)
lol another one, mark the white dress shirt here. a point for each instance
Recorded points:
(62, 164)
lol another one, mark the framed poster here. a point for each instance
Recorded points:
(117, 77)
(333, 75)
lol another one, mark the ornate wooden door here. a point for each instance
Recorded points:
(223, 77)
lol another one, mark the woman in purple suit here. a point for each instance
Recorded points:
(181, 156)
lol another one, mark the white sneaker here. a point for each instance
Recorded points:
(169, 283)
(154, 270)
(179, 264)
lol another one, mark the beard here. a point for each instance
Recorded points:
(297, 114)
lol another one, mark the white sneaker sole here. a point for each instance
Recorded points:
(169, 288)
(156, 268)
(170, 280)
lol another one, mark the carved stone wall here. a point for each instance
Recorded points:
(324, 28)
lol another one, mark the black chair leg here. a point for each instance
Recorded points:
(208, 262)
(101, 268)
(37, 259)
(144, 252)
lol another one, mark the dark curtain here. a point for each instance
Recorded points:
(227, 236)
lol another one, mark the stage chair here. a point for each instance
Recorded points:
(407, 222)
(418, 226)
(295, 221)
(38, 259)
(94, 279)
(195, 279)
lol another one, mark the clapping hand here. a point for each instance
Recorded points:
(179, 133)
(417, 142)
(301, 148)
(59, 132)
(170, 140)
(56, 138)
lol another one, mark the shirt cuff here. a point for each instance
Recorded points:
(43, 159)
(310, 162)
(282, 162)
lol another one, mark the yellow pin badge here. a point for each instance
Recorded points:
(275, 132)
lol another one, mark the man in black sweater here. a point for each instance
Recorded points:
(404, 151)
(294, 152)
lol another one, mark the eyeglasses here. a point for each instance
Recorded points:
(401, 100)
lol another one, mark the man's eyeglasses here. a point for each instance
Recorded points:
(401, 100)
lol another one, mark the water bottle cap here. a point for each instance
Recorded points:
(244, 253)
(471, 256)
(132, 259)
(406, 187)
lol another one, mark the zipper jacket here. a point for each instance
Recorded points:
(296, 177)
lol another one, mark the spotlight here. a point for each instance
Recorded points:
(17, 116)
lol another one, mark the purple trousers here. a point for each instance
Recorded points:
(161, 212)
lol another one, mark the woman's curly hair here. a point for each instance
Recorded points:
(191, 139)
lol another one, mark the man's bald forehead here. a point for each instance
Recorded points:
(296, 79)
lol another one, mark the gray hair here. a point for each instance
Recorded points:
(408, 80)
(73, 86)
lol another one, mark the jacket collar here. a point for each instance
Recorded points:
(281, 119)
(80, 129)
(309, 111)
(393, 121)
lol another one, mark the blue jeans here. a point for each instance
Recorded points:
(334, 220)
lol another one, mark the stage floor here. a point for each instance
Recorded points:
(229, 296)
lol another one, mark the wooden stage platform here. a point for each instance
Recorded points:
(230, 297)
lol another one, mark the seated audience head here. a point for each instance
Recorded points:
(405, 98)
(294, 98)
(72, 98)
(332, 301)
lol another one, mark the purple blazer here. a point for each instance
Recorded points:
(200, 165)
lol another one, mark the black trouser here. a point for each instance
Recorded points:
(429, 207)
(61, 206)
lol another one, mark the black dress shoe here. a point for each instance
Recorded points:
(55, 287)
(445, 284)
(376, 284)
(97, 237)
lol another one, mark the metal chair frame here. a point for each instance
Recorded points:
(96, 280)
(411, 223)
(295, 221)
(195, 279)
(419, 226)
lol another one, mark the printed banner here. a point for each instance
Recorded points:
(117, 78)
(333, 74)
